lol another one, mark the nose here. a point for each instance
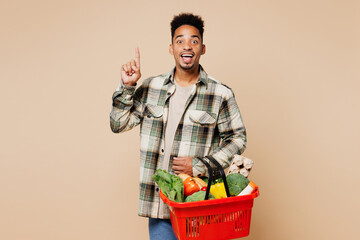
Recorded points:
(187, 45)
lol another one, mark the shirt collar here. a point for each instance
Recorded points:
(169, 77)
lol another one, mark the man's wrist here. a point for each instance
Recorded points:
(130, 84)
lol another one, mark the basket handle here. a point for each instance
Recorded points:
(220, 169)
(210, 178)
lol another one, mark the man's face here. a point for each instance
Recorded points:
(187, 47)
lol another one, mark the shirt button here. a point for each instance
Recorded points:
(168, 93)
(157, 189)
(162, 150)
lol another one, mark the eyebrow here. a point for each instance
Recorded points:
(193, 36)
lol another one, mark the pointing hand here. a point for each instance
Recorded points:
(130, 72)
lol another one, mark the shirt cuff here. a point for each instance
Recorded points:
(125, 89)
(199, 168)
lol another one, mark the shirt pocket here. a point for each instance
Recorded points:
(202, 125)
(202, 117)
(151, 125)
(153, 111)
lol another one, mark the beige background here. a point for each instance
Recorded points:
(294, 68)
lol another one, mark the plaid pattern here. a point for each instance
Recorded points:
(211, 124)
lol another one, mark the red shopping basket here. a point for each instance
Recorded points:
(217, 219)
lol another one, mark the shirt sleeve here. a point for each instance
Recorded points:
(127, 108)
(232, 133)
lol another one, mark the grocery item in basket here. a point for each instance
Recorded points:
(183, 176)
(198, 196)
(236, 183)
(249, 189)
(198, 181)
(218, 190)
(170, 185)
(190, 186)
(240, 164)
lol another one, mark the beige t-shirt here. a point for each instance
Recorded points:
(176, 110)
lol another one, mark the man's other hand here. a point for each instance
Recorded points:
(130, 72)
(183, 165)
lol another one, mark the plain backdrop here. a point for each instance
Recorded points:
(294, 69)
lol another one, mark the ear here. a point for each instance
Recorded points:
(203, 49)
(171, 51)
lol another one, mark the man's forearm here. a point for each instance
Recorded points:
(124, 115)
(231, 131)
(235, 144)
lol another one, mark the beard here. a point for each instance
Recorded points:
(186, 66)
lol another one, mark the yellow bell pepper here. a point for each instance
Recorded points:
(218, 190)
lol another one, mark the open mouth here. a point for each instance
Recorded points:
(187, 57)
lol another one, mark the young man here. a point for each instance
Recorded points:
(184, 115)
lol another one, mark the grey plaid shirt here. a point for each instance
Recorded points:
(211, 124)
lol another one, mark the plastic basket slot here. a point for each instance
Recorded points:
(192, 227)
(216, 218)
(241, 220)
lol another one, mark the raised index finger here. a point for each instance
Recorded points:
(137, 57)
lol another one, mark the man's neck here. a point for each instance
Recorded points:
(186, 77)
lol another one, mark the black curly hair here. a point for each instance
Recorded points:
(187, 19)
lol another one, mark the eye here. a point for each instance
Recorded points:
(179, 41)
(195, 41)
